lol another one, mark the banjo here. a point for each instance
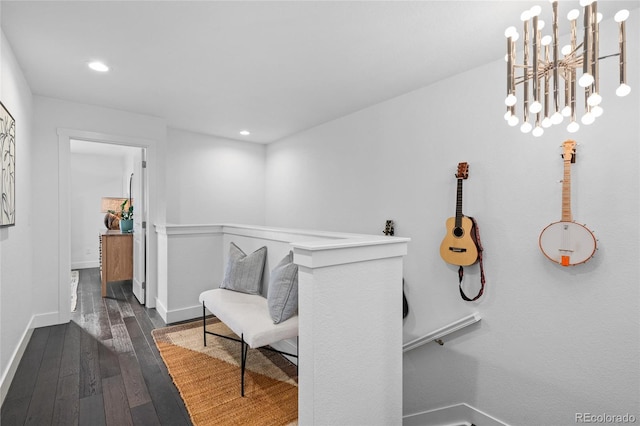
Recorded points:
(566, 242)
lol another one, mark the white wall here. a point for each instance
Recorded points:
(16, 261)
(93, 177)
(214, 180)
(553, 341)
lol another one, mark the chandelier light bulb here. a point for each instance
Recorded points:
(573, 14)
(540, 24)
(537, 132)
(535, 10)
(525, 16)
(557, 118)
(600, 16)
(507, 115)
(623, 90)
(510, 100)
(566, 50)
(546, 122)
(526, 127)
(621, 15)
(585, 3)
(535, 107)
(594, 99)
(509, 32)
(588, 118)
(546, 40)
(586, 80)
(513, 121)
(573, 127)
(566, 111)
(597, 111)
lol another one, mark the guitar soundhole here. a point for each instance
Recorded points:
(458, 232)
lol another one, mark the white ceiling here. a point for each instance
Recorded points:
(272, 67)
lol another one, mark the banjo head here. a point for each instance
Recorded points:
(567, 243)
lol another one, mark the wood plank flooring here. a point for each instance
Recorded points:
(102, 368)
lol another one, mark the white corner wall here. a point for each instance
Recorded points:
(16, 261)
(553, 341)
(214, 180)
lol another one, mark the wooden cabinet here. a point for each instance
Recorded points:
(116, 257)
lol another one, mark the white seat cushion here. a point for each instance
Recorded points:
(248, 315)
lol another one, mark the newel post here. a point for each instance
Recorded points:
(350, 343)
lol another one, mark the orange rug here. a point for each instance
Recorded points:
(208, 378)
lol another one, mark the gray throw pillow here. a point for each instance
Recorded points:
(282, 296)
(244, 272)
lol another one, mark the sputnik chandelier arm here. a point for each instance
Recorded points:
(543, 75)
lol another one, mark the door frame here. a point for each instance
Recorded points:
(64, 221)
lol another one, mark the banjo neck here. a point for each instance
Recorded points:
(566, 242)
(568, 158)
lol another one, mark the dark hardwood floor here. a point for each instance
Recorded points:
(102, 368)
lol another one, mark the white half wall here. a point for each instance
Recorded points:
(350, 328)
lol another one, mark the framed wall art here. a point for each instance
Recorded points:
(8, 183)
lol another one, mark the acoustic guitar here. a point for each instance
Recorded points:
(566, 242)
(458, 246)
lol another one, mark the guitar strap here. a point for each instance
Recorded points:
(475, 234)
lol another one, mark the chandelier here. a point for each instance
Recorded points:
(544, 75)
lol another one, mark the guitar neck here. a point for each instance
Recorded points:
(459, 204)
(566, 191)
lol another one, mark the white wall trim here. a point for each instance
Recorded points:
(162, 310)
(36, 321)
(456, 414)
(48, 319)
(288, 345)
(182, 314)
(174, 229)
(12, 366)
(86, 264)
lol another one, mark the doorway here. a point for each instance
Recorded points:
(98, 172)
(142, 187)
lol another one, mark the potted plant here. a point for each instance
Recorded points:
(126, 217)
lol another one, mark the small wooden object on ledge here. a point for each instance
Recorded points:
(116, 257)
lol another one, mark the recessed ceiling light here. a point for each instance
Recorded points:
(98, 66)
(245, 132)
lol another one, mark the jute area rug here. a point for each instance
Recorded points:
(208, 378)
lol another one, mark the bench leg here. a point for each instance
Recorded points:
(244, 348)
(204, 326)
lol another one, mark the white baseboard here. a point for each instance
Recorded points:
(86, 264)
(288, 345)
(177, 315)
(37, 321)
(45, 320)
(162, 311)
(457, 414)
(12, 367)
